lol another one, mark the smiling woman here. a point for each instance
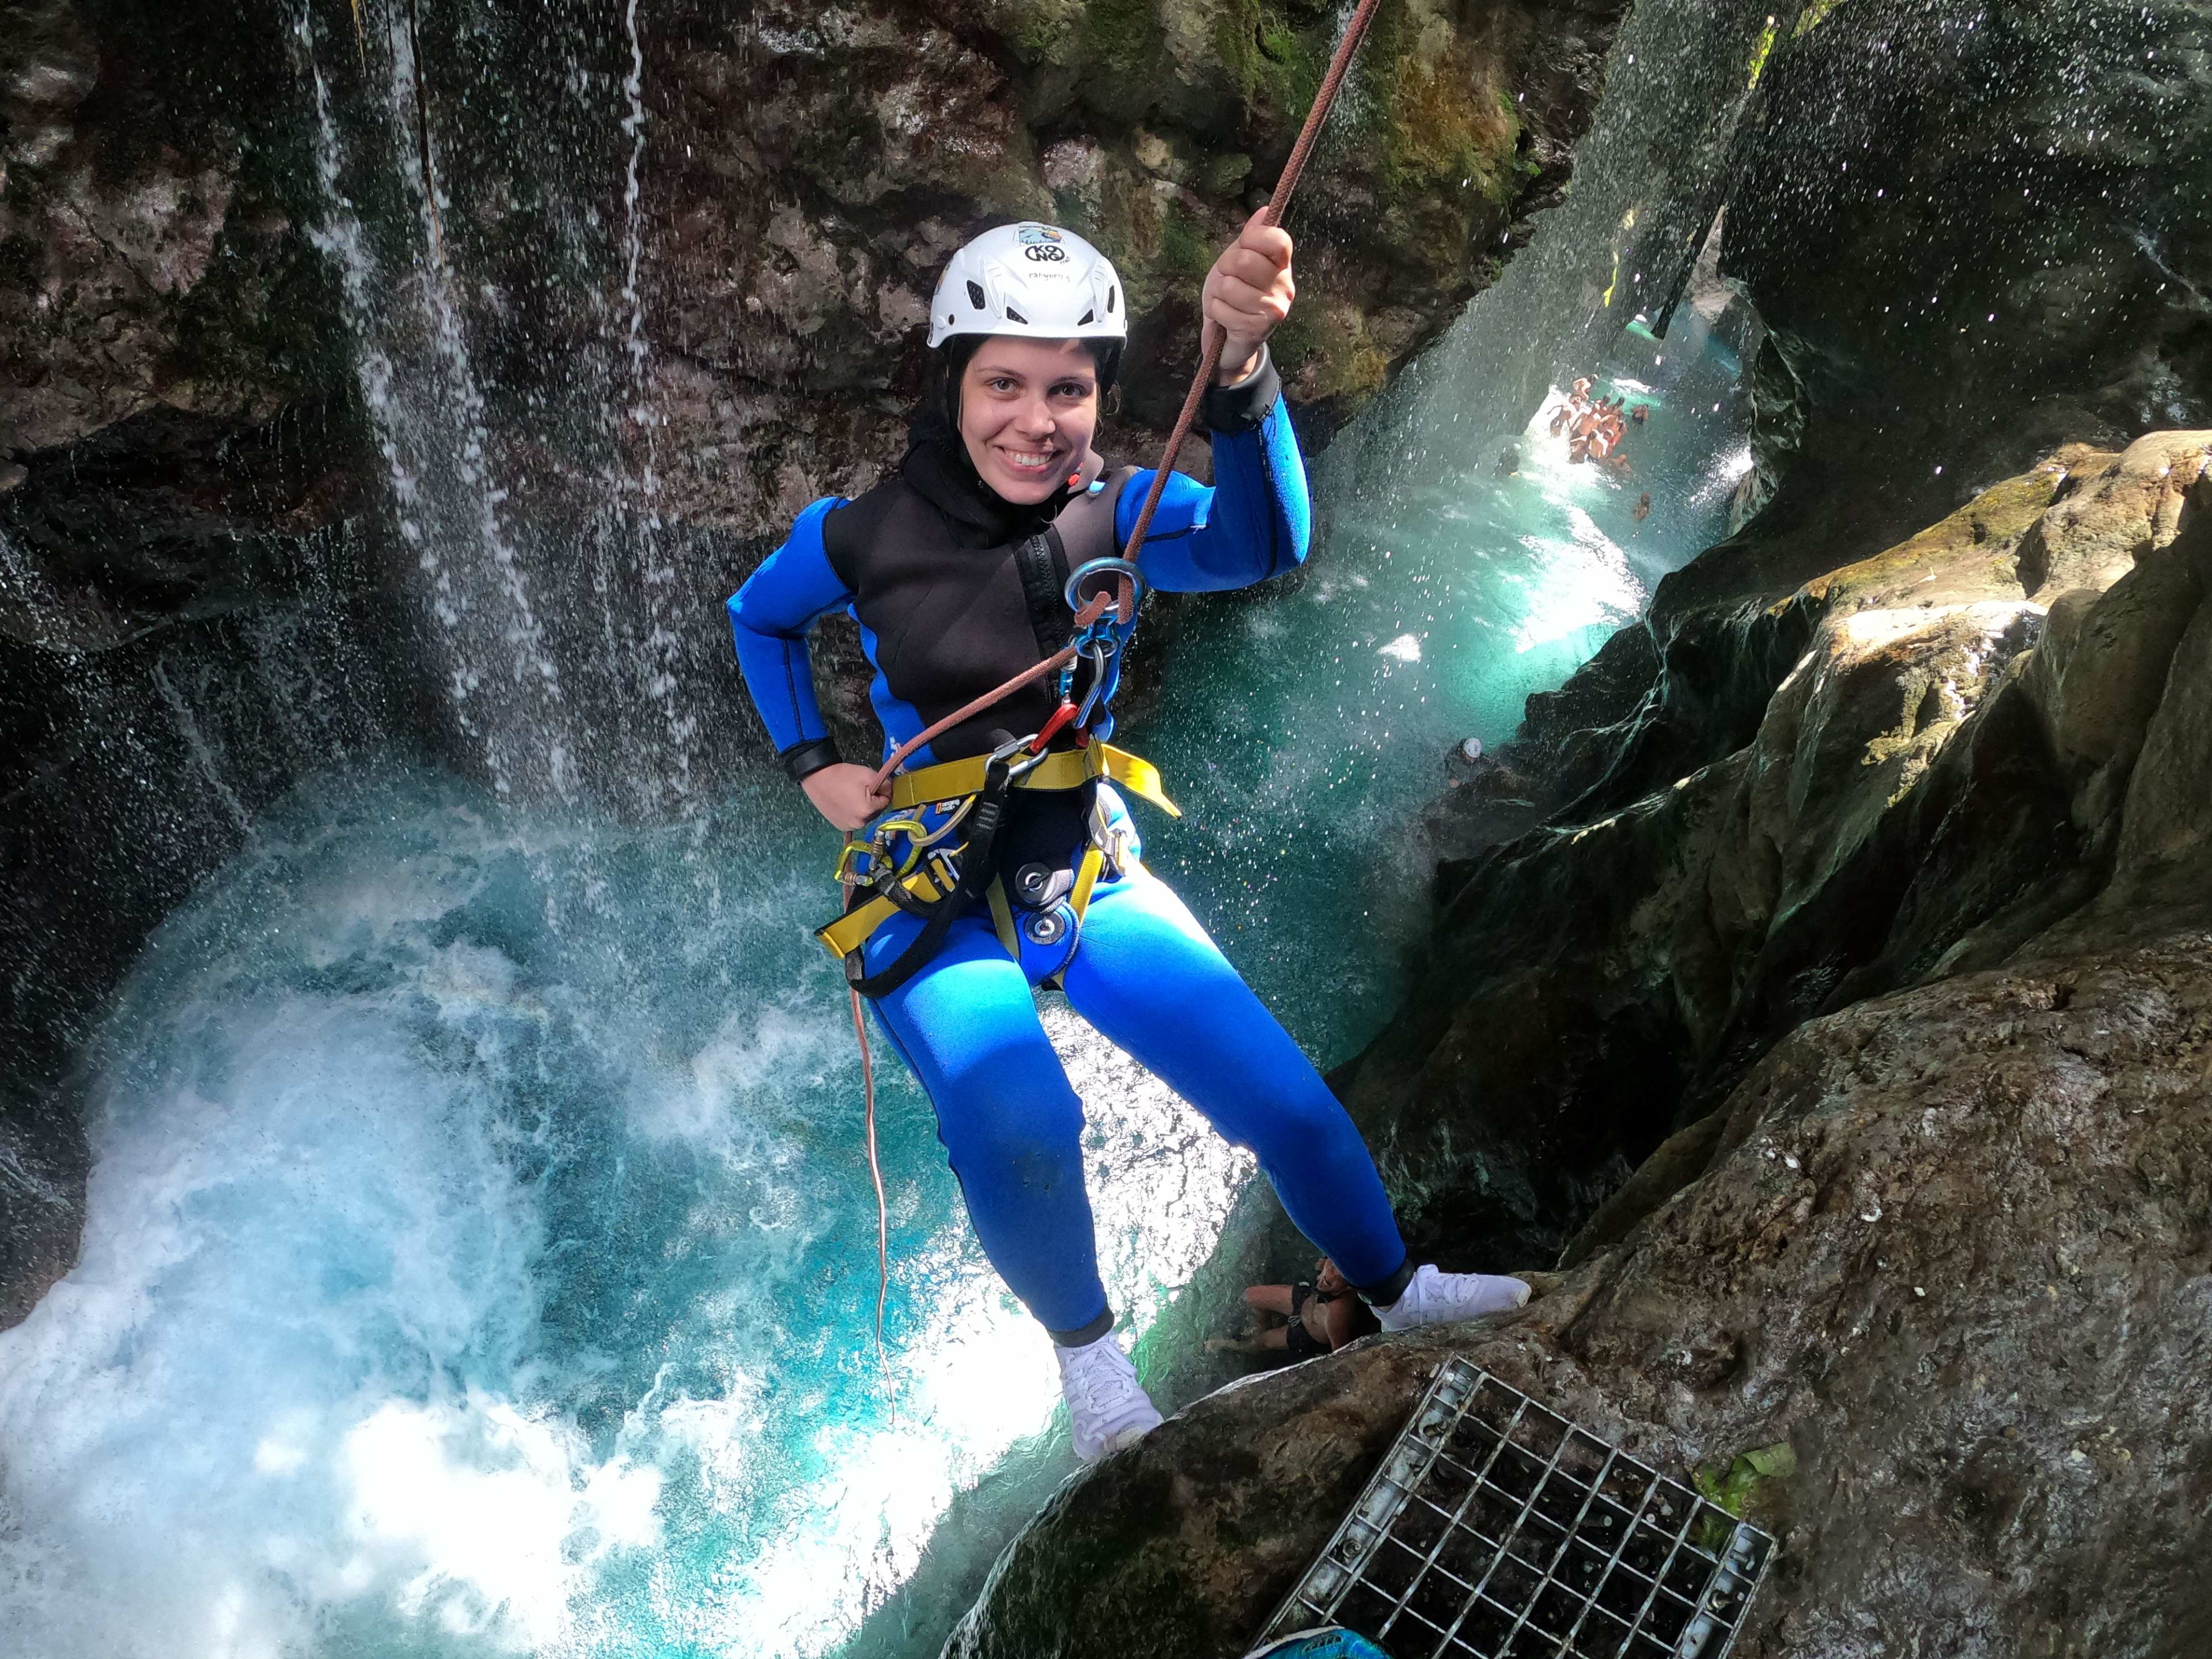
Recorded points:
(1029, 409)
(968, 893)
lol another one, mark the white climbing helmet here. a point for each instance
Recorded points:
(1033, 280)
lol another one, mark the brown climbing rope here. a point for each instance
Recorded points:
(1213, 336)
(876, 1171)
(1213, 339)
(1083, 618)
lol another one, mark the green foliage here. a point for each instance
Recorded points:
(1186, 255)
(1286, 62)
(1731, 1487)
(1810, 18)
(1117, 38)
(1763, 50)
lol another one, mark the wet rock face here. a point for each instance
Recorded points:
(149, 240)
(813, 167)
(1951, 1246)
(805, 172)
(1922, 968)
(1974, 236)
(1905, 768)
(182, 627)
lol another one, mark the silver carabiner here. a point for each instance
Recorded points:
(1100, 657)
(1073, 592)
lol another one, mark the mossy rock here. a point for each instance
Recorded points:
(1197, 103)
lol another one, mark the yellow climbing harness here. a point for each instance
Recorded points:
(952, 788)
(1063, 768)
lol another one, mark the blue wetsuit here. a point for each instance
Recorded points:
(927, 563)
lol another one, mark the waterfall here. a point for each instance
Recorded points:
(661, 658)
(1650, 179)
(196, 745)
(526, 494)
(479, 1253)
(418, 379)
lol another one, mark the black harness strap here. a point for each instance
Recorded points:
(977, 867)
(1042, 578)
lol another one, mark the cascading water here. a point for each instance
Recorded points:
(1327, 713)
(419, 381)
(479, 1254)
(452, 1277)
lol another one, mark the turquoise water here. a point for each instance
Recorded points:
(1311, 726)
(480, 1257)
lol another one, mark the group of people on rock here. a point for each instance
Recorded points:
(1594, 426)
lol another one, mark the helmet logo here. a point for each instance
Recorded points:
(1044, 254)
(1035, 235)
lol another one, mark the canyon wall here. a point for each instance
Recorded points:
(1815, 1006)
(1920, 979)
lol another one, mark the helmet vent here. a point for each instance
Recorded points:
(1014, 316)
(976, 295)
(1112, 294)
(1087, 318)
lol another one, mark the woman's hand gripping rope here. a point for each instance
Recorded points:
(1215, 337)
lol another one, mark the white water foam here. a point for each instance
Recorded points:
(451, 1285)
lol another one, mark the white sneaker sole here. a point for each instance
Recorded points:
(1120, 1440)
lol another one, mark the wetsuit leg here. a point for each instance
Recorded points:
(1148, 977)
(1011, 1124)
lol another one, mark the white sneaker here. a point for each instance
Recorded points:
(1107, 1405)
(1440, 1298)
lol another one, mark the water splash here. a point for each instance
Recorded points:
(455, 1284)
(197, 745)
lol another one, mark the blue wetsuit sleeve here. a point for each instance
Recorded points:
(1254, 523)
(769, 617)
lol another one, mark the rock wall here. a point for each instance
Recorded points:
(1973, 236)
(182, 608)
(1934, 942)
(831, 157)
(1765, 1022)
(1950, 1246)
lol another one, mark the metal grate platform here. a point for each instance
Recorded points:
(1496, 1527)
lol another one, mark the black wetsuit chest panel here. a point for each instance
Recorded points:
(948, 622)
